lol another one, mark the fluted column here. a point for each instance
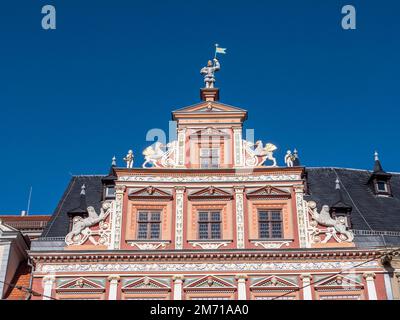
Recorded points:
(178, 286)
(48, 282)
(307, 293)
(241, 286)
(239, 201)
(370, 279)
(113, 289)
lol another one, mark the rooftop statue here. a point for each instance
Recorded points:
(129, 159)
(208, 72)
(256, 157)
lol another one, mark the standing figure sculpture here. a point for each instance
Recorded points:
(208, 72)
(129, 159)
(289, 158)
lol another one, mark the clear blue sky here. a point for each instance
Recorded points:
(72, 98)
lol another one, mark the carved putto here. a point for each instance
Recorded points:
(160, 155)
(335, 228)
(81, 227)
(256, 153)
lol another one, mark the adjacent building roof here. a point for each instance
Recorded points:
(378, 216)
(71, 199)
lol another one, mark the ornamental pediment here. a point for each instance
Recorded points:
(149, 192)
(81, 283)
(274, 282)
(268, 192)
(339, 282)
(210, 282)
(210, 193)
(209, 106)
(144, 283)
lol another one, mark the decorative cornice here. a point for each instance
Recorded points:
(73, 256)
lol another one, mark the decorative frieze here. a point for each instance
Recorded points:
(210, 179)
(271, 244)
(207, 267)
(238, 147)
(148, 245)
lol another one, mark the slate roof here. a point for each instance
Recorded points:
(369, 212)
(71, 199)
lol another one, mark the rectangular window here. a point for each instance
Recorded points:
(209, 158)
(209, 225)
(270, 224)
(149, 223)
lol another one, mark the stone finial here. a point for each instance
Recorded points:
(114, 161)
(83, 190)
(337, 182)
(376, 156)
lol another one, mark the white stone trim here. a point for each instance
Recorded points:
(301, 217)
(388, 286)
(181, 148)
(237, 147)
(117, 218)
(370, 279)
(178, 284)
(48, 283)
(179, 199)
(209, 245)
(113, 290)
(307, 293)
(239, 201)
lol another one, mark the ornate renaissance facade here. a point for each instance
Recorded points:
(211, 215)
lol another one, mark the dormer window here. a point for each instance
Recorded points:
(379, 180)
(110, 191)
(381, 186)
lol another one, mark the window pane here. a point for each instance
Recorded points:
(264, 229)
(215, 231)
(276, 230)
(204, 152)
(142, 216)
(155, 231)
(381, 186)
(142, 233)
(262, 215)
(214, 152)
(275, 215)
(203, 230)
(215, 216)
(155, 216)
(203, 216)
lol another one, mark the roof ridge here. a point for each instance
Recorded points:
(350, 169)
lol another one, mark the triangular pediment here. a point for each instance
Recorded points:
(145, 283)
(210, 192)
(150, 192)
(274, 282)
(339, 282)
(207, 107)
(209, 282)
(269, 192)
(209, 132)
(81, 284)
